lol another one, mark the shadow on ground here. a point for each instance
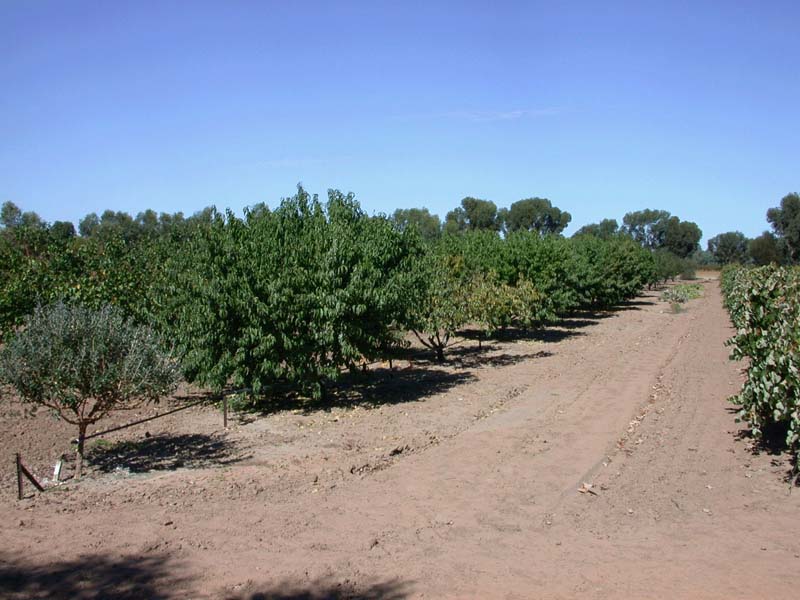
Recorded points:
(773, 443)
(92, 578)
(377, 387)
(382, 386)
(326, 589)
(473, 357)
(632, 305)
(425, 376)
(163, 453)
(547, 335)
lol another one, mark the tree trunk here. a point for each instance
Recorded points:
(439, 354)
(81, 444)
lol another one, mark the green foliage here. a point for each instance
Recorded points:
(444, 306)
(765, 250)
(680, 294)
(428, 225)
(530, 280)
(764, 304)
(785, 221)
(668, 266)
(611, 271)
(648, 227)
(296, 295)
(605, 229)
(493, 304)
(730, 247)
(290, 296)
(552, 264)
(689, 272)
(41, 264)
(473, 214)
(658, 230)
(84, 363)
(682, 238)
(536, 214)
(12, 217)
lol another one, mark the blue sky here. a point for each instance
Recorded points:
(603, 107)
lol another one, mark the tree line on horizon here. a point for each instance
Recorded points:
(654, 229)
(657, 230)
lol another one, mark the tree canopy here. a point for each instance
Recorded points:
(658, 229)
(682, 238)
(765, 250)
(536, 214)
(605, 229)
(473, 214)
(647, 227)
(785, 221)
(428, 225)
(730, 247)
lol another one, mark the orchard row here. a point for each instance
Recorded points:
(298, 295)
(764, 304)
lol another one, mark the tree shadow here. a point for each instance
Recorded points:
(327, 589)
(631, 305)
(92, 578)
(581, 321)
(467, 358)
(771, 442)
(548, 335)
(163, 453)
(383, 386)
(375, 387)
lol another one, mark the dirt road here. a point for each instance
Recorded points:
(598, 460)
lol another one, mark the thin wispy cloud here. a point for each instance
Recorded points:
(487, 116)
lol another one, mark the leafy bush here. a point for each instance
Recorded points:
(296, 295)
(668, 266)
(493, 304)
(84, 363)
(88, 271)
(290, 296)
(443, 307)
(680, 294)
(764, 304)
(611, 270)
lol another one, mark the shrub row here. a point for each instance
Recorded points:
(300, 294)
(764, 304)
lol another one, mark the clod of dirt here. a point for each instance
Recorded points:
(399, 450)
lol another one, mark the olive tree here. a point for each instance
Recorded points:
(84, 363)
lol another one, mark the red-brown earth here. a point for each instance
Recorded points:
(596, 459)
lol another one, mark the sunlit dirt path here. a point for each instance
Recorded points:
(604, 464)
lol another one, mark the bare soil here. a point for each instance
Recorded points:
(596, 459)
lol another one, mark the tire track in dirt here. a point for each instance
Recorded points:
(491, 507)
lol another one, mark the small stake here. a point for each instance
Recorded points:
(21, 470)
(225, 412)
(19, 477)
